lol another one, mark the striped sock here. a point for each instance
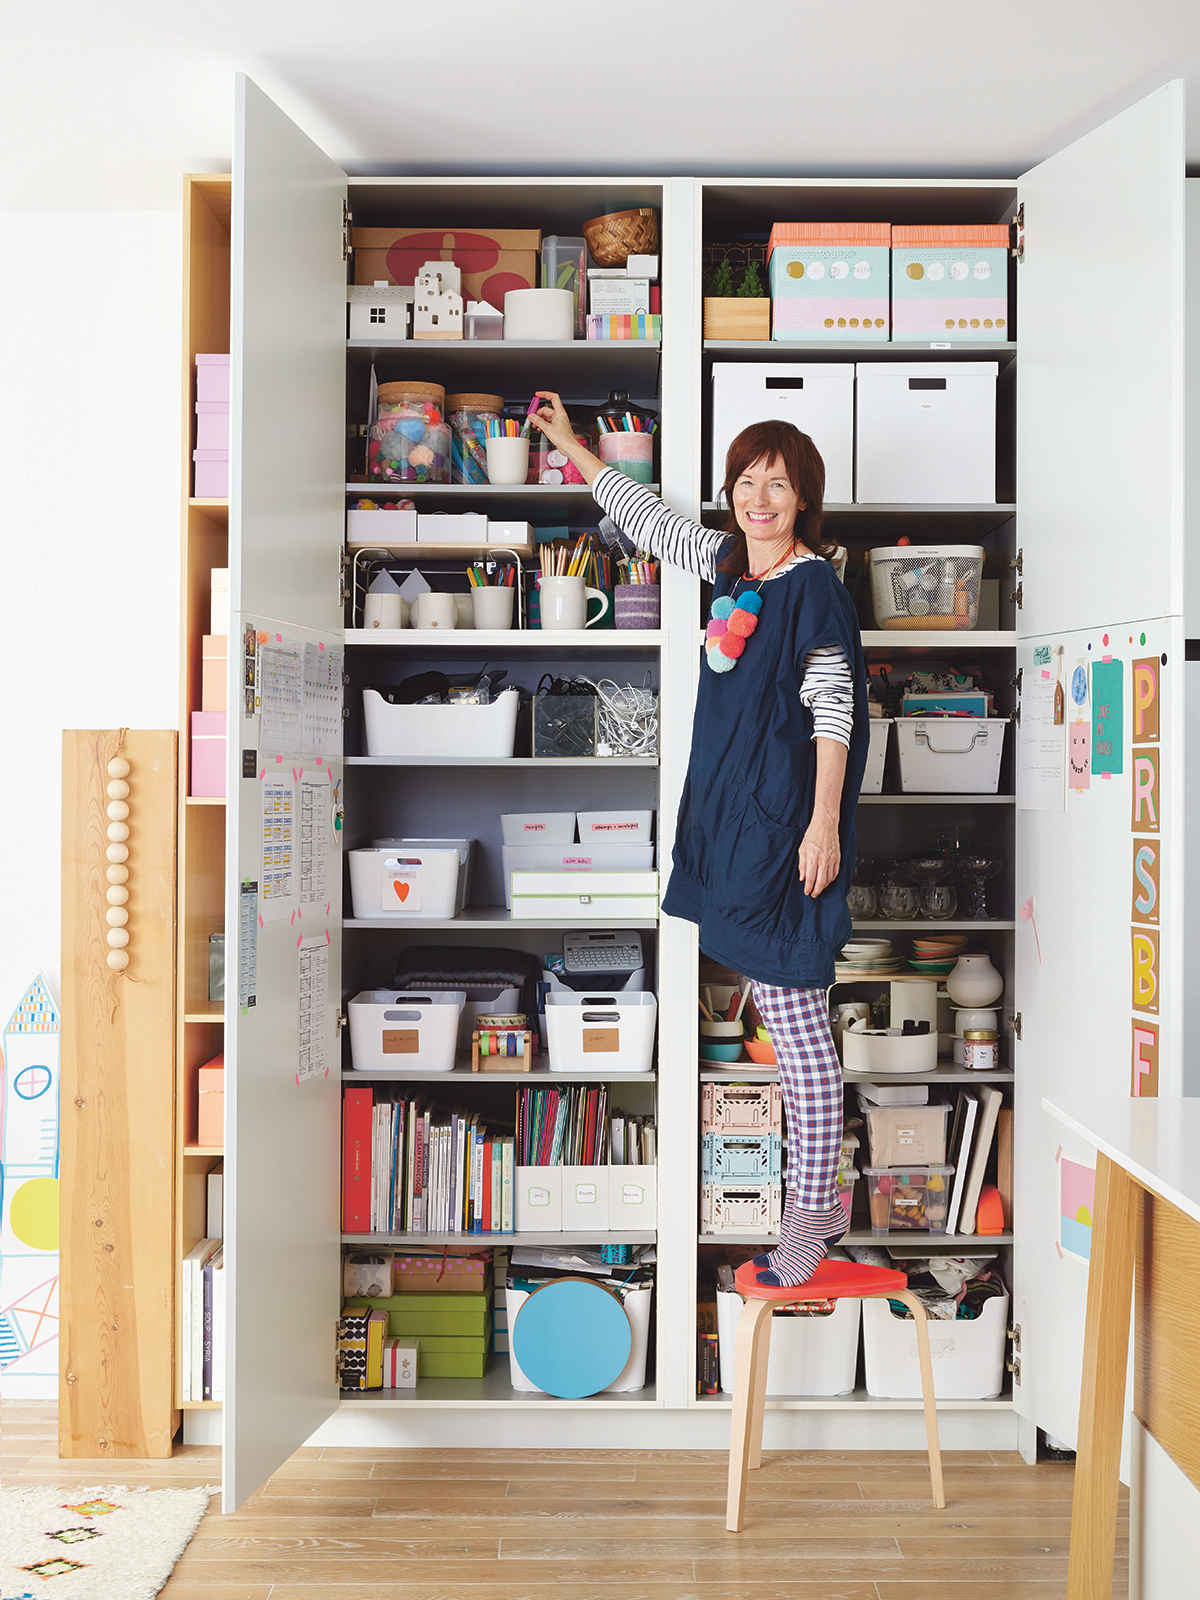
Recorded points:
(806, 1237)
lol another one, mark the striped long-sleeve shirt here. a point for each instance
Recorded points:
(828, 686)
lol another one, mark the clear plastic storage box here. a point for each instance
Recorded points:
(908, 1197)
(899, 1134)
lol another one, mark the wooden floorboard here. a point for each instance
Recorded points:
(600, 1524)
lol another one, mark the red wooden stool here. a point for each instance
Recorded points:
(833, 1280)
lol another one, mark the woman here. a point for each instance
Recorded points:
(764, 846)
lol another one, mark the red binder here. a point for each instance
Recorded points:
(356, 1160)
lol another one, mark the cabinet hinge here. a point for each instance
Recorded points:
(1015, 1022)
(1018, 596)
(340, 1022)
(1017, 226)
(347, 221)
(1017, 564)
(1015, 682)
(1013, 1363)
(345, 565)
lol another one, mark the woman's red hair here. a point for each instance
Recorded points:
(805, 471)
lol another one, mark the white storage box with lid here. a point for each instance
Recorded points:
(927, 433)
(901, 1135)
(583, 897)
(401, 732)
(572, 858)
(877, 738)
(537, 827)
(607, 1032)
(809, 1355)
(379, 529)
(615, 827)
(968, 1357)
(404, 878)
(392, 1030)
(950, 755)
(818, 399)
(636, 1303)
(926, 586)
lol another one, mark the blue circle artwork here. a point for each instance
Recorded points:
(32, 1083)
(571, 1338)
(1079, 686)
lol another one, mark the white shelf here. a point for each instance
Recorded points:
(904, 508)
(503, 1241)
(938, 639)
(915, 1243)
(549, 492)
(501, 761)
(540, 1074)
(857, 1400)
(493, 1391)
(839, 349)
(944, 1072)
(937, 799)
(923, 925)
(494, 917)
(600, 642)
(484, 348)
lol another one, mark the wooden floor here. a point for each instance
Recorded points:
(340, 1524)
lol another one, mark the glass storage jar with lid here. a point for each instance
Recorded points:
(469, 415)
(409, 442)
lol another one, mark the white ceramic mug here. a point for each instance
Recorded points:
(464, 614)
(436, 611)
(563, 603)
(383, 611)
(493, 606)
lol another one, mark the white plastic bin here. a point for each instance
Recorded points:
(809, 1355)
(876, 756)
(950, 755)
(968, 1357)
(608, 1032)
(399, 732)
(615, 827)
(410, 878)
(581, 859)
(632, 1376)
(901, 1135)
(537, 827)
(927, 433)
(818, 399)
(394, 1031)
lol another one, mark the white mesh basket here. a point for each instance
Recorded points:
(926, 586)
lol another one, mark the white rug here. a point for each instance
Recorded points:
(93, 1544)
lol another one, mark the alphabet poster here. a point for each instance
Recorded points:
(1144, 1079)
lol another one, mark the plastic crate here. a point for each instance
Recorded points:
(730, 1208)
(741, 1108)
(968, 1357)
(393, 1031)
(950, 755)
(926, 586)
(741, 1158)
(909, 1198)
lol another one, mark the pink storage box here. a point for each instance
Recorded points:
(211, 474)
(212, 378)
(208, 753)
(212, 425)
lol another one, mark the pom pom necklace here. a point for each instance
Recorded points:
(733, 619)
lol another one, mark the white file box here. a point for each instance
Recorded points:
(577, 898)
(585, 1198)
(537, 1199)
(632, 1197)
(818, 399)
(926, 434)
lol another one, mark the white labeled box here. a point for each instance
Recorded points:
(632, 1197)
(950, 755)
(516, 536)
(605, 1032)
(818, 399)
(379, 529)
(452, 527)
(537, 827)
(968, 1357)
(572, 858)
(926, 434)
(394, 1031)
(411, 878)
(615, 827)
(585, 1198)
(583, 897)
(815, 1355)
(537, 1200)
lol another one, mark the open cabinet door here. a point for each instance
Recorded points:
(1099, 500)
(284, 877)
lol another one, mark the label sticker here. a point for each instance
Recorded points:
(401, 883)
(601, 1041)
(1145, 699)
(401, 1041)
(585, 1194)
(1145, 970)
(538, 1197)
(632, 1194)
(1145, 800)
(1144, 904)
(1144, 1082)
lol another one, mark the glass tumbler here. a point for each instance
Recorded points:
(938, 901)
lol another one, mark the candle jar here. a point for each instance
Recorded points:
(409, 441)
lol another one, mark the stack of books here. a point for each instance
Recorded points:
(202, 1364)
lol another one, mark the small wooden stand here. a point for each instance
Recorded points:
(521, 1063)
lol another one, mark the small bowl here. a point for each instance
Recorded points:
(710, 1050)
(726, 1031)
(763, 1054)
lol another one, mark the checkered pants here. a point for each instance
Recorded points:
(810, 1077)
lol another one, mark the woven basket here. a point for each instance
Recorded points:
(612, 239)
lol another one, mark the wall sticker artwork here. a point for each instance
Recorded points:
(1145, 893)
(1077, 1191)
(1145, 970)
(1108, 717)
(1144, 1078)
(1146, 697)
(1079, 756)
(1146, 792)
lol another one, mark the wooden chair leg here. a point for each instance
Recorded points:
(931, 1429)
(758, 1406)
(748, 1353)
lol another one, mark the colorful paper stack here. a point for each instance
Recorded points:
(632, 325)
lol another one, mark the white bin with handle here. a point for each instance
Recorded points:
(809, 1355)
(950, 755)
(968, 1357)
(394, 1031)
(608, 1032)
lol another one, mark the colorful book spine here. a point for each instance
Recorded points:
(497, 1176)
(356, 1160)
(485, 1209)
(506, 1188)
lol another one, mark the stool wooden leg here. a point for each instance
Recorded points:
(758, 1406)
(754, 1316)
(931, 1428)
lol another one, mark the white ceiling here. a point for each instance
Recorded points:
(104, 105)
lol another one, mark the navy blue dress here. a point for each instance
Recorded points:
(750, 787)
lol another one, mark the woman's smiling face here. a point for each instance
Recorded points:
(765, 503)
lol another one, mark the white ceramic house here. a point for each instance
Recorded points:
(379, 310)
(438, 307)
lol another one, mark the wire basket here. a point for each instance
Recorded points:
(613, 238)
(926, 586)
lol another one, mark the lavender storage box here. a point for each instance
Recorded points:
(211, 474)
(212, 425)
(208, 753)
(212, 378)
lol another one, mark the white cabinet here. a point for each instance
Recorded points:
(1097, 416)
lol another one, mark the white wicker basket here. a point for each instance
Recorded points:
(926, 586)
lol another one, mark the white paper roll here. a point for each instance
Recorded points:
(539, 314)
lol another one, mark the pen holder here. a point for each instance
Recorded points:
(493, 606)
(637, 605)
(630, 453)
(507, 460)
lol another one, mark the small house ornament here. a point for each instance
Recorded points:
(438, 306)
(379, 310)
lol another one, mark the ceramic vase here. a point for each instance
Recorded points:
(974, 981)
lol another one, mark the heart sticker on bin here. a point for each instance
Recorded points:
(402, 888)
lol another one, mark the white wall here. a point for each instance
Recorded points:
(90, 318)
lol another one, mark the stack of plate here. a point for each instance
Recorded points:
(868, 958)
(936, 955)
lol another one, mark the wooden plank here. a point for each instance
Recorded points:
(118, 1046)
(1166, 1331)
(1102, 1390)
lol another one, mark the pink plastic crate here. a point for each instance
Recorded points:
(208, 753)
(212, 425)
(741, 1108)
(212, 378)
(211, 474)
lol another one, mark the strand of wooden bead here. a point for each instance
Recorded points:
(117, 915)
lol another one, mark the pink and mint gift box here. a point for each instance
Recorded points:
(950, 284)
(830, 281)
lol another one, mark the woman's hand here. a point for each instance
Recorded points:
(819, 855)
(553, 421)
